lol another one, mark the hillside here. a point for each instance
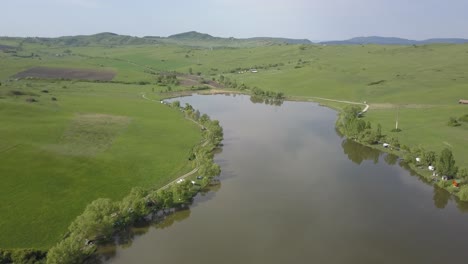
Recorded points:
(192, 39)
(394, 41)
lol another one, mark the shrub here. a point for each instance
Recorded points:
(453, 122)
(463, 193)
(463, 118)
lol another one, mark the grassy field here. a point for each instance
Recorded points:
(96, 140)
(99, 140)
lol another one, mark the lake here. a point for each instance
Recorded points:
(292, 190)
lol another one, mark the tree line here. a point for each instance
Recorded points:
(351, 124)
(257, 94)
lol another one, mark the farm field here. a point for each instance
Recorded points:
(101, 139)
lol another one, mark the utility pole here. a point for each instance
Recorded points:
(396, 124)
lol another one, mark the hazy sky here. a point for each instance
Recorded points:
(312, 19)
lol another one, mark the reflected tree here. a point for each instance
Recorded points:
(357, 153)
(391, 159)
(441, 197)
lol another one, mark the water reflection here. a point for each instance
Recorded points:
(441, 197)
(126, 237)
(266, 100)
(391, 159)
(358, 153)
(289, 194)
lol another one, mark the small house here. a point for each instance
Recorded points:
(385, 145)
(431, 168)
(463, 101)
(418, 159)
(253, 71)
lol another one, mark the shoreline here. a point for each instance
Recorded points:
(423, 174)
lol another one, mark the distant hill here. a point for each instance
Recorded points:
(393, 41)
(192, 35)
(191, 38)
(197, 39)
(101, 39)
(282, 40)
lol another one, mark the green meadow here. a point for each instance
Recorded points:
(96, 140)
(102, 139)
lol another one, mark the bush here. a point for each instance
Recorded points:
(463, 118)
(463, 193)
(453, 122)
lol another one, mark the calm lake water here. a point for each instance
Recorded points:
(293, 191)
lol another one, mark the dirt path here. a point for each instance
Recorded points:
(345, 102)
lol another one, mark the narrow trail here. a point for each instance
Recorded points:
(143, 95)
(345, 102)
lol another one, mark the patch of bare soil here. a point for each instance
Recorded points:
(66, 73)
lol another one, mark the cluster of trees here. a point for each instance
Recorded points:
(103, 218)
(354, 127)
(263, 66)
(22, 256)
(444, 162)
(167, 79)
(258, 95)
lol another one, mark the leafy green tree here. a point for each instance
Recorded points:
(209, 169)
(71, 250)
(165, 198)
(188, 107)
(196, 115)
(204, 119)
(446, 163)
(394, 142)
(429, 157)
(463, 174)
(175, 104)
(379, 131)
(96, 221)
(181, 191)
(134, 206)
(368, 125)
